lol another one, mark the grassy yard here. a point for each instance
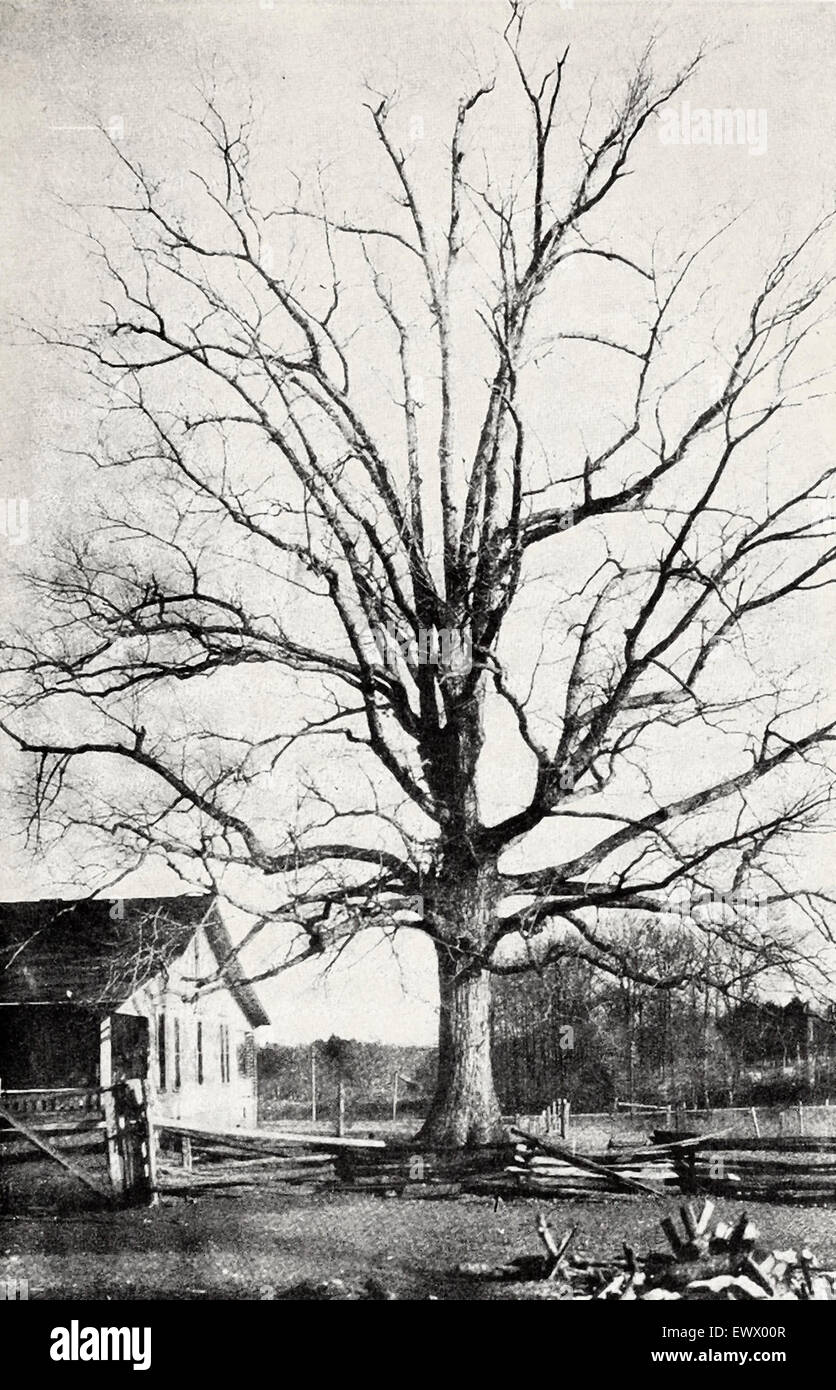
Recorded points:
(264, 1243)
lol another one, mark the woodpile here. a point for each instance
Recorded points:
(542, 1165)
(723, 1263)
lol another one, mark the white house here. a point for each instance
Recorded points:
(144, 989)
(202, 1017)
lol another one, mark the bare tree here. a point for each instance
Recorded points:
(302, 511)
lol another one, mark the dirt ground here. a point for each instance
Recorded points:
(264, 1244)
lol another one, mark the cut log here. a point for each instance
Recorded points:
(672, 1233)
(689, 1220)
(705, 1216)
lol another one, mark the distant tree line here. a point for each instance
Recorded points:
(367, 1070)
(706, 1037)
(705, 1041)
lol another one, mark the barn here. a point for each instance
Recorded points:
(142, 999)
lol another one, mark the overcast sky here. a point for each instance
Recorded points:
(133, 64)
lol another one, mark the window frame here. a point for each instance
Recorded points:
(177, 1078)
(162, 1052)
(226, 1074)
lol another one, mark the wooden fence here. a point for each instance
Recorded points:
(792, 1170)
(97, 1139)
(629, 1121)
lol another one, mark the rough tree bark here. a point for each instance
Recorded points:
(465, 1110)
(461, 910)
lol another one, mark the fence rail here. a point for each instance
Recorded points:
(775, 1121)
(106, 1127)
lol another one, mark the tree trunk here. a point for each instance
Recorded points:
(465, 1110)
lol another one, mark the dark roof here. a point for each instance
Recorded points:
(98, 952)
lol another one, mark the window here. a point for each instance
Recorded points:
(199, 1050)
(177, 1077)
(224, 1037)
(161, 1054)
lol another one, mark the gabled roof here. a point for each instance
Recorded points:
(96, 952)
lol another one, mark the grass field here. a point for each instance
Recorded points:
(264, 1243)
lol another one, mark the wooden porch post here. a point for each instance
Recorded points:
(114, 1159)
(150, 1142)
